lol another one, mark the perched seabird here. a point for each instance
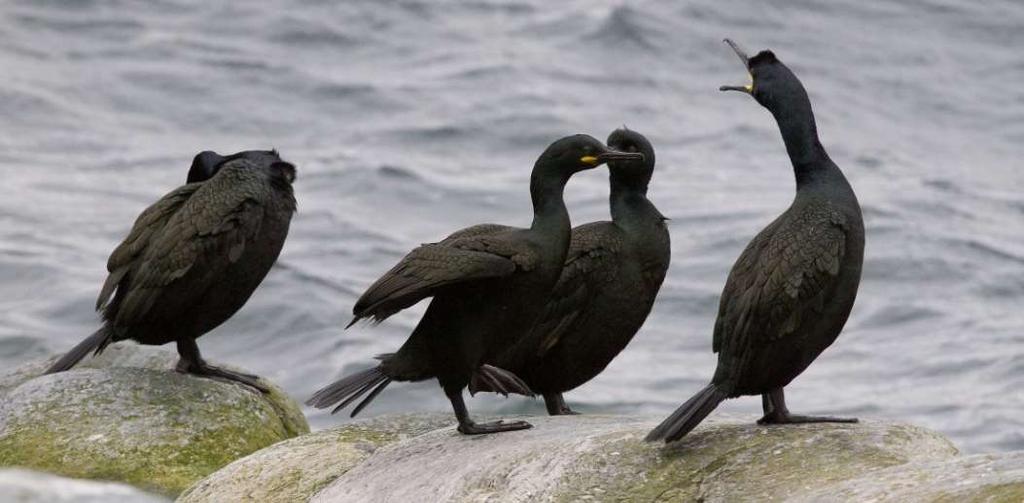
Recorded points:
(194, 257)
(489, 284)
(791, 290)
(612, 274)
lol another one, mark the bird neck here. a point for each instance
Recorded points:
(800, 134)
(547, 192)
(629, 205)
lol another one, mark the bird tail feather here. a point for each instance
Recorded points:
(95, 344)
(348, 389)
(688, 415)
(498, 380)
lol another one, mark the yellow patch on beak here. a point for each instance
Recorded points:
(750, 86)
(588, 159)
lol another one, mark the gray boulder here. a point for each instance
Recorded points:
(295, 469)
(25, 486)
(980, 478)
(127, 416)
(577, 458)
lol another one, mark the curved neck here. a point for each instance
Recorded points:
(629, 204)
(547, 192)
(796, 123)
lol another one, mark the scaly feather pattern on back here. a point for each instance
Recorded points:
(150, 223)
(209, 229)
(785, 274)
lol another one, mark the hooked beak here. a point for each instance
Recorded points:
(615, 155)
(749, 88)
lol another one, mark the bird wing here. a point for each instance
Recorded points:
(202, 238)
(478, 230)
(786, 273)
(151, 222)
(476, 253)
(589, 264)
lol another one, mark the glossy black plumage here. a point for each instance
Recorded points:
(488, 282)
(791, 290)
(612, 274)
(194, 257)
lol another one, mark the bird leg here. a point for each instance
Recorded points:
(775, 412)
(468, 427)
(192, 362)
(556, 405)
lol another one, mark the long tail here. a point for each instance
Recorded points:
(350, 388)
(688, 415)
(95, 343)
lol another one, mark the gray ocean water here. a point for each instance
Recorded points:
(410, 119)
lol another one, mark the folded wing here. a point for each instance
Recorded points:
(786, 274)
(476, 253)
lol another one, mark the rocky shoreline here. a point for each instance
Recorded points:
(126, 417)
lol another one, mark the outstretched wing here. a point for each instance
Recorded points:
(475, 253)
(785, 274)
(589, 264)
(192, 251)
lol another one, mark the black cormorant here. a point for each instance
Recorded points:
(791, 290)
(612, 274)
(489, 283)
(194, 257)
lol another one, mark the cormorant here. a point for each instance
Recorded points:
(194, 257)
(612, 274)
(489, 283)
(791, 290)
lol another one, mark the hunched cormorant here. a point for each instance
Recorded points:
(194, 257)
(612, 274)
(791, 290)
(488, 282)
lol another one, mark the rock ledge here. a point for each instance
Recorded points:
(127, 416)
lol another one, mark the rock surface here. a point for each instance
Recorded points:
(25, 486)
(989, 478)
(295, 469)
(578, 458)
(127, 416)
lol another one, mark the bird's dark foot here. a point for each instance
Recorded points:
(204, 369)
(471, 428)
(787, 418)
(776, 412)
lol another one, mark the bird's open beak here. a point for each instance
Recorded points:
(749, 88)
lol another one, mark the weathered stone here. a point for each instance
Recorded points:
(578, 458)
(26, 486)
(127, 416)
(296, 469)
(982, 478)
(603, 458)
